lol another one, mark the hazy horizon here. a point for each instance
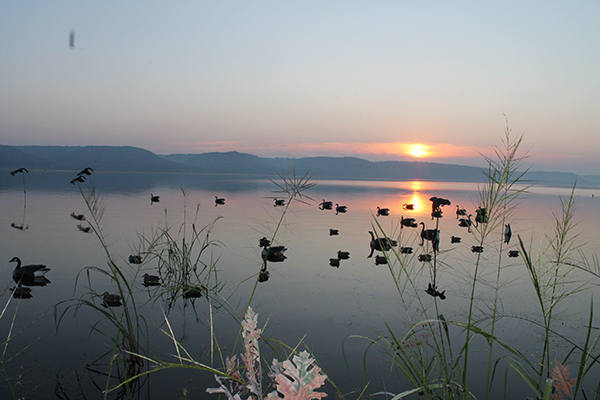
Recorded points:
(400, 81)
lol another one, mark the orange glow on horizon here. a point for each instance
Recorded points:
(417, 150)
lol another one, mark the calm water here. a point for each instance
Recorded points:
(305, 300)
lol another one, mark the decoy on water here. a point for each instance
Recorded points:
(513, 253)
(151, 280)
(406, 250)
(436, 206)
(219, 201)
(424, 257)
(507, 233)
(432, 291)
(80, 179)
(380, 260)
(333, 232)
(326, 205)
(380, 244)
(86, 171)
(192, 293)
(334, 262)
(278, 202)
(340, 209)
(135, 259)
(343, 255)
(271, 253)
(19, 171)
(482, 216)
(27, 274)
(263, 275)
(383, 211)
(78, 217)
(264, 242)
(432, 235)
(407, 206)
(111, 300)
(84, 229)
(455, 239)
(408, 222)
(20, 292)
(20, 227)
(477, 249)
(154, 199)
(466, 223)
(460, 212)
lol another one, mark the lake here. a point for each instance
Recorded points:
(330, 311)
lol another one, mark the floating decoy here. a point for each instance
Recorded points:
(333, 232)
(20, 227)
(455, 239)
(460, 212)
(406, 250)
(432, 291)
(436, 206)
(433, 235)
(513, 253)
(408, 222)
(343, 255)
(154, 199)
(263, 275)
(326, 205)
(406, 206)
(334, 262)
(151, 280)
(84, 229)
(192, 293)
(383, 211)
(271, 253)
(340, 209)
(111, 300)
(482, 217)
(137, 259)
(381, 244)
(436, 214)
(80, 179)
(279, 202)
(20, 292)
(219, 201)
(424, 257)
(29, 273)
(477, 249)
(78, 217)
(87, 171)
(17, 171)
(380, 260)
(466, 223)
(507, 233)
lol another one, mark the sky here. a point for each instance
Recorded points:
(437, 81)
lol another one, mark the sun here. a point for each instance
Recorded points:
(417, 150)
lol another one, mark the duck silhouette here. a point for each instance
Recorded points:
(78, 217)
(219, 201)
(380, 260)
(111, 300)
(151, 280)
(408, 222)
(383, 211)
(278, 202)
(79, 179)
(507, 233)
(326, 205)
(333, 232)
(86, 171)
(343, 255)
(19, 171)
(30, 275)
(380, 244)
(154, 199)
(340, 209)
(432, 235)
(271, 253)
(460, 212)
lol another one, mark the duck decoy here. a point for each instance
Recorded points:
(80, 179)
(333, 232)
(271, 253)
(408, 222)
(137, 259)
(406, 206)
(278, 202)
(29, 273)
(219, 201)
(432, 235)
(460, 212)
(151, 280)
(425, 257)
(406, 250)
(466, 223)
(263, 275)
(436, 206)
(455, 239)
(111, 300)
(86, 171)
(432, 291)
(383, 211)
(343, 255)
(380, 244)
(482, 216)
(477, 249)
(334, 262)
(192, 292)
(340, 209)
(78, 217)
(19, 171)
(380, 260)
(326, 205)
(84, 229)
(513, 253)
(20, 227)
(20, 292)
(154, 199)
(507, 233)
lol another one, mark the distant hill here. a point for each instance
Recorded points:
(134, 159)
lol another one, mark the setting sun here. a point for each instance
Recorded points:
(417, 150)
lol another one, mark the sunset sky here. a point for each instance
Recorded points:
(382, 80)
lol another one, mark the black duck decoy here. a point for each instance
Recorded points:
(425, 257)
(271, 253)
(78, 217)
(20, 292)
(513, 253)
(263, 275)
(408, 222)
(333, 232)
(326, 205)
(482, 215)
(380, 260)
(135, 259)
(192, 293)
(436, 206)
(406, 206)
(84, 229)
(80, 179)
(477, 249)
(507, 233)
(455, 239)
(334, 262)
(383, 211)
(380, 244)
(432, 235)
(151, 280)
(343, 255)
(278, 202)
(19, 171)
(86, 171)
(29, 273)
(340, 209)
(460, 212)
(154, 199)
(111, 300)
(406, 250)
(466, 223)
(219, 201)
